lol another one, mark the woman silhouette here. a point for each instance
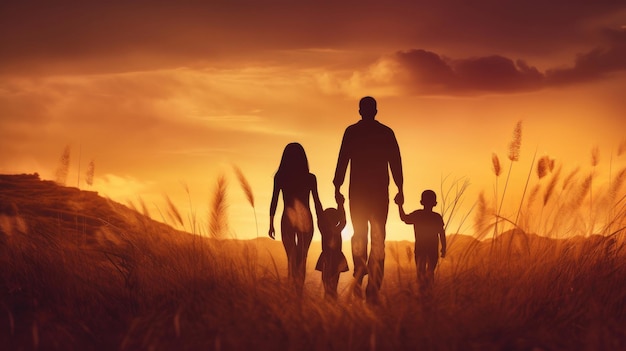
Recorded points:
(296, 225)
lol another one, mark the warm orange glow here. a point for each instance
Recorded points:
(166, 113)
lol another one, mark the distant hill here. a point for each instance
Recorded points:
(40, 207)
(44, 209)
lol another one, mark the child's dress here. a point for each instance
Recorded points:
(332, 257)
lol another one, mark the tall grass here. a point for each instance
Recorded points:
(139, 285)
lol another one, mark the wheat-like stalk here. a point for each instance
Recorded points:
(544, 165)
(568, 179)
(621, 148)
(218, 224)
(551, 185)
(89, 174)
(495, 161)
(514, 153)
(247, 189)
(64, 166)
(173, 211)
(516, 143)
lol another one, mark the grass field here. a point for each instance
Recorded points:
(79, 272)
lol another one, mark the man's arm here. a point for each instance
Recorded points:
(342, 164)
(395, 163)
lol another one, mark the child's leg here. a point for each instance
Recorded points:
(330, 279)
(420, 264)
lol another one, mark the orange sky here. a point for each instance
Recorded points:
(162, 95)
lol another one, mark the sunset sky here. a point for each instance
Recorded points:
(165, 95)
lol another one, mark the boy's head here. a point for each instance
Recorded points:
(331, 217)
(429, 198)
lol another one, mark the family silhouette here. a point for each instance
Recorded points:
(371, 151)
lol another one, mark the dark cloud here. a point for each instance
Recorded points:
(430, 73)
(594, 64)
(118, 36)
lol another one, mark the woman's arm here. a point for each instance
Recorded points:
(273, 205)
(316, 198)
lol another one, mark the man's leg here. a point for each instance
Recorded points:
(376, 262)
(359, 240)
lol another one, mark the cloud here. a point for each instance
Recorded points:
(78, 37)
(424, 72)
(429, 73)
(594, 64)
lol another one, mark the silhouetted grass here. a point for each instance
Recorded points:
(80, 272)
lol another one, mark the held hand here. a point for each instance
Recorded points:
(339, 196)
(399, 199)
(340, 199)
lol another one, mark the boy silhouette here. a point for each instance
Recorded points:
(332, 260)
(429, 231)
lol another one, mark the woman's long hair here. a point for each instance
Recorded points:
(294, 163)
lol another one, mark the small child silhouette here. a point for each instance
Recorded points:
(429, 230)
(332, 260)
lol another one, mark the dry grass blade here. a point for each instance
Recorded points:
(173, 211)
(544, 165)
(64, 166)
(218, 224)
(595, 156)
(551, 185)
(91, 169)
(144, 208)
(621, 148)
(617, 183)
(245, 185)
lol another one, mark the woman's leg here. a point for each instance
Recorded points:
(303, 241)
(288, 235)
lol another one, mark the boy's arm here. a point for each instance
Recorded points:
(442, 238)
(403, 215)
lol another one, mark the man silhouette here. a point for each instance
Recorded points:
(371, 149)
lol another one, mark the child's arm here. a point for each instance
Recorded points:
(442, 238)
(403, 215)
(342, 211)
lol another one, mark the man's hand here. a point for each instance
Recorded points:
(399, 199)
(443, 253)
(272, 232)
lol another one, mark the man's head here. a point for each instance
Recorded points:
(367, 108)
(429, 198)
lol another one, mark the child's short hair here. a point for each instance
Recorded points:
(429, 197)
(332, 216)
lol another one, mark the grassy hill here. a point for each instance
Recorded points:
(80, 272)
